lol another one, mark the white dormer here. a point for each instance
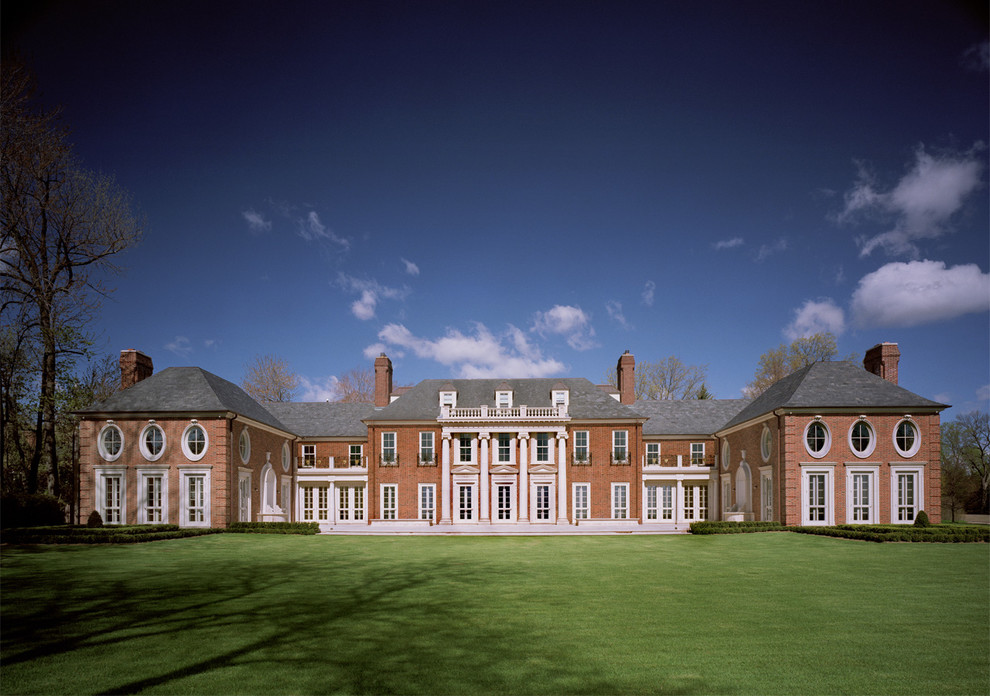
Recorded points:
(560, 396)
(503, 396)
(448, 398)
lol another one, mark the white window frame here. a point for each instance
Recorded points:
(502, 513)
(828, 438)
(578, 446)
(652, 454)
(697, 459)
(472, 510)
(916, 471)
(448, 398)
(581, 500)
(917, 438)
(726, 454)
(809, 469)
(244, 500)
(187, 450)
(766, 443)
(561, 397)
(351, 503)
(551, 499)
(766, 493)
(872, 445)
(389, 501)
(872, 472)
(244, 445)
(427, 451)
(541, 448)
(102, 475)
(143, 476)
(623, 448)
(186, 475)
(101, 443)
(315, 503)
(509, 450)
(394, 447)
(620, 501)
(695, 502)
(428, 512)
(143, 445)
(503, 399)
(308, 454)
(359, 457)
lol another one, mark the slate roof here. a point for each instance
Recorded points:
(422, 402)
(833, 385)
(688, 417)
(323, 419)
(185, 389)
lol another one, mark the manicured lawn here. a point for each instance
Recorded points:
(744, 614)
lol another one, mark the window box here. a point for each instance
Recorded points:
(427, 459)
(620, 458)
(389, 460)
(581, 459)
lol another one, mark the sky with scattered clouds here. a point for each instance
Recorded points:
(520, 189)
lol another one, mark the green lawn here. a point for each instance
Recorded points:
(247, 614)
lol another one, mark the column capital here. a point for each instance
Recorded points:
(523, 435)
(484, 436)
(562, 436)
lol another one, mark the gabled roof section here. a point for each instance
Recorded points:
(323, 419)
(833, 385)
(701, 417)
(185, 390)
(422, 402)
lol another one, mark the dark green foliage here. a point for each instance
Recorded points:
(922, 520)
(895, 532)
(305, 528)
(95, 520)
(35, 510)
(109, 534)
(718, 527)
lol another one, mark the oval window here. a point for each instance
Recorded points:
(861, 439)
(817, 439)
(906, 438)
(111, 443)
(152, 442)
(195, 442)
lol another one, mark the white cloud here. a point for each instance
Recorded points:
(481, 354)
(318, 389)
(728, 243)
(767, 250)
(411, 268)
(815, 317)
(983, 393)
(920, 206)
(919, 292)
(370, 293)
(649, 293)
(181, 346)
(256, 221)
(374, 350)
(311, 229)
(614, 309)
(565, 320)
(977, 57)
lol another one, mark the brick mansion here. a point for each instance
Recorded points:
(832, 443)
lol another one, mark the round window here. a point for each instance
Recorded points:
(725, 453)
(195, 442)
(861, 439)
(285, 456)
(245, 446)
(766, 444)
(152, 442)
(817, 439)
(906, 439)
(111, 443)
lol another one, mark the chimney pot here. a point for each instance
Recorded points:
(882, 360)
(134, 366)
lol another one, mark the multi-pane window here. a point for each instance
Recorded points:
(309, 456)
(620, 501)
(689, 502)
(152, 442)
(504, 399)
(652, 453)
(581, 507)
(620, 445)
(196, 498)
(861, 438)
(659, 502)
(816, 497)
(194, 442)
(542, 501)
(426, 447)
(861, 498)
(389, 502)
(244, 497)
(504, 448)
(667, 502)
(697, 453)
(766, 496)
(465, 507)
(816, 439)
(113, 488)
(695, 502)
(580, 445)
(906, 501)
(356, 455)
(542, 447)
(465, 448)
(766, 444)
(906, 438)
(153, 508)
(244, 445)
(651, 503)
(307, 503)
(427, 497)
(503, 501)
(388, 448)
(111, 443)
(350, 503)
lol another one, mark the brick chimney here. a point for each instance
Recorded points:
(625, 379)
(383, 380)
(882, 361)
(134, 366)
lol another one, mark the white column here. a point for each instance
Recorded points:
(523, 478)
(562, 478)
(485, 461)
(445, 481)
(679, 503)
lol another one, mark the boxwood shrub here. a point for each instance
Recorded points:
(893, 532)
(274, 528)
(719, 527)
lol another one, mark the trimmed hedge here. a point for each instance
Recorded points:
(23, 510)
(719, 527)
(305, 528)
(943, 534)
(124, 534)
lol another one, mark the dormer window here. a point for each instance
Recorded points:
(503, 399)
(561, 398)
(448, 399)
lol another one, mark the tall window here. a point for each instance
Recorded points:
(766, 444)
(113, 498)
(542, 501)
(581, 446)
(581, 508)
(695, 502)
(652, 511)
(427, 496)
(465, 507)
(307, 503)
(620, 501)
(504, 448)
(690, 511)
(659, 502)
(503, 493)
(388, 448)
(620, 450)
(816, 497)
(316, 503)
(309, 456)
(652, 453)
(356, 455)
(667, 502)
(196, 499)
(861, 498)
(542, 447)
(350, 505)
(907, 502)
(766, 495)
(426, 447)
(389, 502)
(244, 497)
(697, 453)
(152, 502)
(465, 449)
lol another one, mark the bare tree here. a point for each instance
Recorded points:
(357, 386)
(966, 445)
(62, 226)
(269, 379)
(779, 362)
(666, 380)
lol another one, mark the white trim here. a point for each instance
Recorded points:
(143, 446)
(766, 493)
(143, 475)
(286, 457)
(873, 504)
(917, 470)
(186, 474)
(100, 476)
(100, 445)
(917, 437)
(394, 508)
(244, 437)
(243, 501)
(586, 508)
(185, 442)
(433, 499)
(873, 438)
(766, 443)
(615, 509)
(809, 469)
(828, 438)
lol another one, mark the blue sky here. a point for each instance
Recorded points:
(528, 189)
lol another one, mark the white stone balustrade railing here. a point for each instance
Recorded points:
(516, 413)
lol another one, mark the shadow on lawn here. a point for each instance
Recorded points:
(340, 625)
